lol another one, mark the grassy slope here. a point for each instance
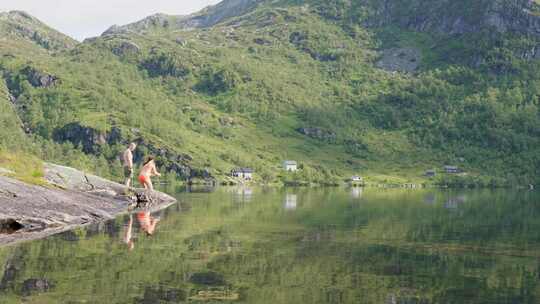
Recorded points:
(17, 25)
(267, 91)
(25, 166)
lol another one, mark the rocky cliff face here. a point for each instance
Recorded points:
(39, 79)
(206, 18)
(91, 141)
(442, 16)
(458, 17)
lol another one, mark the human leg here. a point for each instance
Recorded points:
(149, 184)
(128, 175)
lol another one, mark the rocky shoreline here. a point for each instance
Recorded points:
(70, 199)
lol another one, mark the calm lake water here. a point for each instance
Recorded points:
(252, 245)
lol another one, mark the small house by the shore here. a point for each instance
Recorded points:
(451, 169)
(244, 173)
(430, 173)
(290, 165)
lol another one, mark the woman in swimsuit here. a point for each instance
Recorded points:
(148, 170)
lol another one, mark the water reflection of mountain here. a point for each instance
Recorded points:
(110, 228)
(199, 189)
(394, 249)
(430, 198)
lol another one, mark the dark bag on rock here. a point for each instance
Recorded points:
(143, 199)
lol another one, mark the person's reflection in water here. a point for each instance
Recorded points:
(128, 236)
(147, 222)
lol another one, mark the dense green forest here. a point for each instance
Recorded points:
(343, 87)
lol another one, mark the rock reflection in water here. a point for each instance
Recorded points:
(430, 198)
(200, 188)
(35, 286)
(162, 294)
(109, 228)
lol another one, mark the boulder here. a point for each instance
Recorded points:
(39, 79)
(297, 38)
(126, 48)
(181, 41)
(300, 40)
(262, 41)
(226, 121)
(36, 286)
(318, 133)
(208, 278)
(400, 60)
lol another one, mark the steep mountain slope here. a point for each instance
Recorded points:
(208, 17)
(20, 26)
(442, 16)
(379, 88)
(11, 133)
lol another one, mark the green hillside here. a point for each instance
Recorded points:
(315, 81)
(18, 26)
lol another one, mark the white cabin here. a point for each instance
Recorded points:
(356, 178)
(245, 173)
(290, 165)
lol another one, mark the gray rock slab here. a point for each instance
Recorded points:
(72, 199)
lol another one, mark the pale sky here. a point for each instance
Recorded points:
(89, 18)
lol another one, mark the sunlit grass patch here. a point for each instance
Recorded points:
(24, 167)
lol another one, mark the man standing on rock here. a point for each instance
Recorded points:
(127, 159)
